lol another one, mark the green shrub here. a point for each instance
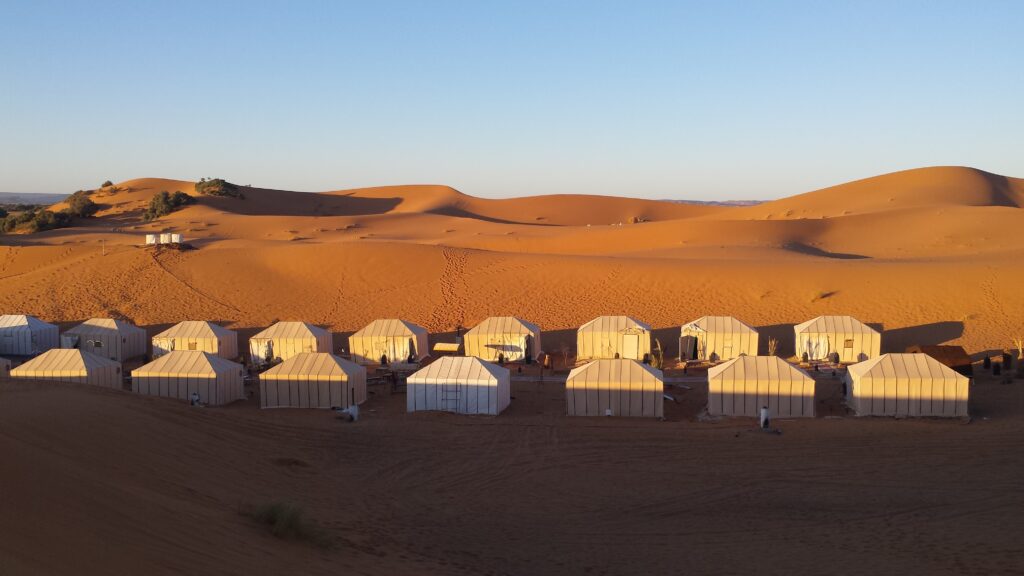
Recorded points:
(3, 213)
(288, 522)
(162, 204)
(79, 204)
(218, 187)
(106, 184)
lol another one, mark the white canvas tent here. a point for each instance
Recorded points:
(198, 336)
(284, 340)
(460, 384)
(906, 385)
(114, 339)
(313, 380)
(613, 337)
(180, 373)
(394, 338)
(851, 339)
(615, 387)
(76, 366)
(743, 385)
(716, 338)
(22, 335)
(503, 336)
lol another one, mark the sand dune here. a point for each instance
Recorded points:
(912, 249)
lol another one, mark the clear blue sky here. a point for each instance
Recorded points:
(703, 100)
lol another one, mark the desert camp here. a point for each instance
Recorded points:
(613, 337)
(716, 339)
(201, 336)
(180, 374)
(841, 338)
(459, 384)
(905, 385)
(117, 340)
(615, 387)
(284, 340)
(22, 335)
(313, 380)
(519, 288)
(72, 366)
(503, 339)
(744, 385)
(392, 340)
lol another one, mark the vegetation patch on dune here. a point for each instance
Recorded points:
(289, 522)
(31, 219)
(163, 203)
(219, 187)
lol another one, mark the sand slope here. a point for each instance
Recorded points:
(928, 253)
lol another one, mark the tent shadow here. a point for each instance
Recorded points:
(898, 339)
(783, 334)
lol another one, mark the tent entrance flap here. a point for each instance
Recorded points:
(631, 346)
(688, 347)
(450, 397)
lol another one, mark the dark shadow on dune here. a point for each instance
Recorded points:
(808, 250)
(264, 202)
(460, 213)
(899, 339)
(1002, 194)
(783, 335)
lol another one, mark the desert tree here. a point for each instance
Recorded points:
(773, 346)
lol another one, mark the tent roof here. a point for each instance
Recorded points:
(290, 330)
(16, 320)
(504, 325)
(194, 329)
(103, 326)
(758, 367)
(613, 324)
(621, 369)
(65, 359)
(903, 366)
(719, 324)
(319, 364)
(836, 325)
(391, 327)
(187, 363)
(461, 369)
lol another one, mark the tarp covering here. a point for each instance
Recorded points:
(61, 365)
(506, 336)
(22, 335)
(613, 337)
(623, 387)
(906, 385)
(313, 380)
(198, 336)
(390, 337)
(717, 338)
(180, 373)
(461, 384)
(852, 339)
(741, 386)
(284, 340)
(115, 339)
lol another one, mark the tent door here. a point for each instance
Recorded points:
(688, 347)
(631, 346)
(450, 397)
